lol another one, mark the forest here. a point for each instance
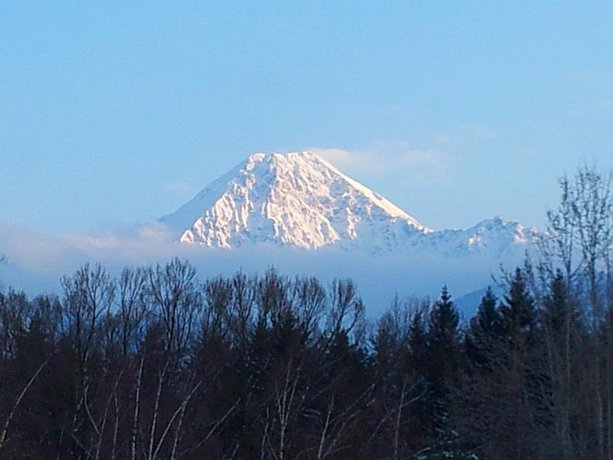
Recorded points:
(156, 364)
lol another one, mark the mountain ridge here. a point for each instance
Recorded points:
(299, 199)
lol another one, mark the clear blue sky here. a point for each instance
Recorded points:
(115, 113)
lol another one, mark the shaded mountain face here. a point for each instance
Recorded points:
(300, 200)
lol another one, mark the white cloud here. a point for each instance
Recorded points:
(346, 159)
(422, 167)
(36, 262)
(55, 255)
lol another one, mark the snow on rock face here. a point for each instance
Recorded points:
(495, 237)
(294, 199)
(300, 200)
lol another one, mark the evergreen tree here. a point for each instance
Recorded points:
(484, 331)
(560, 315)
(518, 311)
(443, 339)
(442, 372)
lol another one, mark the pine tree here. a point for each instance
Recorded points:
(518, 311)
(442, 372)
(443, 340)
(484, 331)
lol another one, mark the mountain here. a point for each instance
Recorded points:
(496, 237)
(300, 200)
(295, 199)
(295, 212)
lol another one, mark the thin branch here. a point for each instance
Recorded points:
(18, 401)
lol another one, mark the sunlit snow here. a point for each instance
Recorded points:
(302, 201)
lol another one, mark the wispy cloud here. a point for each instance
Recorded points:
(477, 133)
(604, 104)
(37, 261)
(48, 254)
(422, 160)
(349, 159)
(422, 167)
(179, 188)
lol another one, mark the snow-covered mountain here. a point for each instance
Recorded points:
(300, 200)
(495, 237)
(295, 199)
(297, 213)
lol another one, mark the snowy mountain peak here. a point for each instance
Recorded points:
(510, 231)
(300, 200)
(495, 237)
(496, 232)
(295, 199)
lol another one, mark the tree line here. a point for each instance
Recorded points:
(155, 364)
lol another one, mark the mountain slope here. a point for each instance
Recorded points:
(495, 237)
(295, 199)
(300, 200)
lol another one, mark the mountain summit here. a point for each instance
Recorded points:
(295, 199)
(300, 200)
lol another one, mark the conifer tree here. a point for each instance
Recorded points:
(518, 310)
(443, 340)
(484, 331)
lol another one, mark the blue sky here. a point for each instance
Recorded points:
(115, 113)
